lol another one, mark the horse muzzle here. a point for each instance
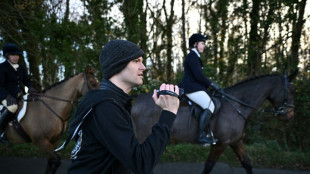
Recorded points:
(284, 113)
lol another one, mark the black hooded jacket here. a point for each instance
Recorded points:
(106, 142)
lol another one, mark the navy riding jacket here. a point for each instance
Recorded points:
(194, 80)
(12, 82)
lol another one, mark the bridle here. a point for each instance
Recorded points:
(85, 83)
(282, 110)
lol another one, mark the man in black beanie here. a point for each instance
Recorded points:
(103, 128)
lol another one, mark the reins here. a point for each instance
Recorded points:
(228, 98)
(51, 97)
(41, 96)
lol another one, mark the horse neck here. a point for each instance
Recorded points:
(255, 92)
(68, 90)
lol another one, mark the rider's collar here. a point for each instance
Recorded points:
(15, 66)
(195, 50)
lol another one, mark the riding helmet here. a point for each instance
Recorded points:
(11, 49)
(197, 37)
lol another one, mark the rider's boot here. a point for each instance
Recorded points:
(204, 119)
(5, 117)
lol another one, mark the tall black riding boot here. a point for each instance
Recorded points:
(5, 117)
(203, 122)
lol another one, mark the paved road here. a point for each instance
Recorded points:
(16, 165)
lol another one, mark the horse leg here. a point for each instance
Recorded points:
(215, 153)
(53, 164)
(243, 158)
(54, 159)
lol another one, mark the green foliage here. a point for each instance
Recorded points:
(22, 150)
(264, 155)
(149, 87)
(268, 155)
(298, 128)
(185, 153)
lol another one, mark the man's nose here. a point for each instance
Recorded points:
(142, 67)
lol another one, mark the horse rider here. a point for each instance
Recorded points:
(13, 78)
(195, 85)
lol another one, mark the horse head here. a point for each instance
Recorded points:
(282, 98)
(90, 81)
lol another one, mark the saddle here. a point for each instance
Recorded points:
(19, 114)
(195, 109)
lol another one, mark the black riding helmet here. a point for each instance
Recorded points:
(197, 37)
(11, 49)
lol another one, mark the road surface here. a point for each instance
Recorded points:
(17, 165)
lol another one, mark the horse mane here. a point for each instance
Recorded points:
(251, 79)
(58, 83)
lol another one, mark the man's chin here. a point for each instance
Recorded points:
(138, 84)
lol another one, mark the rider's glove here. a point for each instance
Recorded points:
(215, 87)
(10, 100)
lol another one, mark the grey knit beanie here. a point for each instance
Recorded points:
(115, 56)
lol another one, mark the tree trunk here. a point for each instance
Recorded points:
(184, 41)
(254, 57)
(293, 59)
(170, 22)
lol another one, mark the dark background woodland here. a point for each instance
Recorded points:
(246, 38)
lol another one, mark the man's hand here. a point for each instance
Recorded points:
(167, 102)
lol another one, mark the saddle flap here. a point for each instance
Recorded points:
(217, 104)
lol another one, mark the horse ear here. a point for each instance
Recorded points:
(89, 70)
(293, 75)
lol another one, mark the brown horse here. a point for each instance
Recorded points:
(237, 104)
(48, 112)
